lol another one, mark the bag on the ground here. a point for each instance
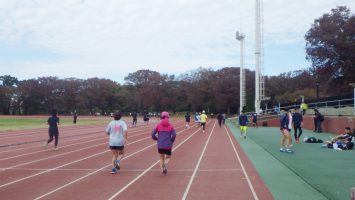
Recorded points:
(313, 140)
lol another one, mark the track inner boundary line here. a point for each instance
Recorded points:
(242, 166)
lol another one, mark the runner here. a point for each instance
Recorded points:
(117, 131)
(255, 120)
(165, 135)
(243, 124)
(220, 118)
(224, 118)
(146, 118)
(187, 119)
(203, 120)
(297, 120)
(197, 119)
(53, 123)
(75, 117)
(134, 117)
(285, 127)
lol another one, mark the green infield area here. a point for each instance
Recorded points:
(311, 172)
(20, 123)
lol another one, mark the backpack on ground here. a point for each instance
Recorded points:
(312, 140)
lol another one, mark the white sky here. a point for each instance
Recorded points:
(111, 38)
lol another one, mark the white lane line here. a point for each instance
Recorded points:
(49, 170)
(101, 138)
(241, 164)
(149, 168)
(197, 165)
(129, 170)
(94, 172)
(77, 150)
(64, 140)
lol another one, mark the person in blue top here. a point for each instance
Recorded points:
(285, 128)
(53, 131)
(243, 125)
(164, 133)
(118, 137)
(297, 120)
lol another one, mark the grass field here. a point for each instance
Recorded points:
(311, 172)
(8, 123)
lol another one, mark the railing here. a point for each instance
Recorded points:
(341, 107)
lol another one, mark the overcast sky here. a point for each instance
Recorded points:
(111, 38)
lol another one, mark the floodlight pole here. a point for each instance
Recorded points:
(353, 85)
(240, 37)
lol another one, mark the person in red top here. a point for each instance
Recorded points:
(164, 133)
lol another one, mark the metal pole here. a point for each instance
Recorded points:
(317, 87)
(353, 85)
(241, 37)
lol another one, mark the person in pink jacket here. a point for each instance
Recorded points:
(164, 133)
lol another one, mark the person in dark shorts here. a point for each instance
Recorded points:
(134, 117)
(75, 117)
(220, 119)
(187, 119)
(146, 118)
(285, 128)
(164, 133)
(297, 121)
(254, 120)
(53, 131)
(117, 131)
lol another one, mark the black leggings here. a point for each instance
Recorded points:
(220, 123)
(300, 129)
(55, 134)
(203, 124)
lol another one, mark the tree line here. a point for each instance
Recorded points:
(330, 48)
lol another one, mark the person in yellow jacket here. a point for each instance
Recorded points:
(304, 107)
(203, 120)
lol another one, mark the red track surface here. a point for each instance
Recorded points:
(208, 165)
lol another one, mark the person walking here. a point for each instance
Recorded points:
(197, 119)
(297, 121)
(53, 131)
(243, 124)
(285, 128)
(164, 133)
(224, 118)
(304, 108)
(118, 138)
(220, 118)
(318, 119)
(75, 117)
(187, 119)
(134, 118)
(203, 120)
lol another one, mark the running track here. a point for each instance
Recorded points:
(208, 165)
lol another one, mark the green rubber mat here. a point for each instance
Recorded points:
(311, 172)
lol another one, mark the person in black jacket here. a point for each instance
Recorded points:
(53, 131)
(297, 121)
(318, 119)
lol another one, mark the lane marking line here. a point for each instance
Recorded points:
(101, 138)
(81, 178)
(149, 168)
(241, 164)
(128, 170)
(49, 170)
(197, 165)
